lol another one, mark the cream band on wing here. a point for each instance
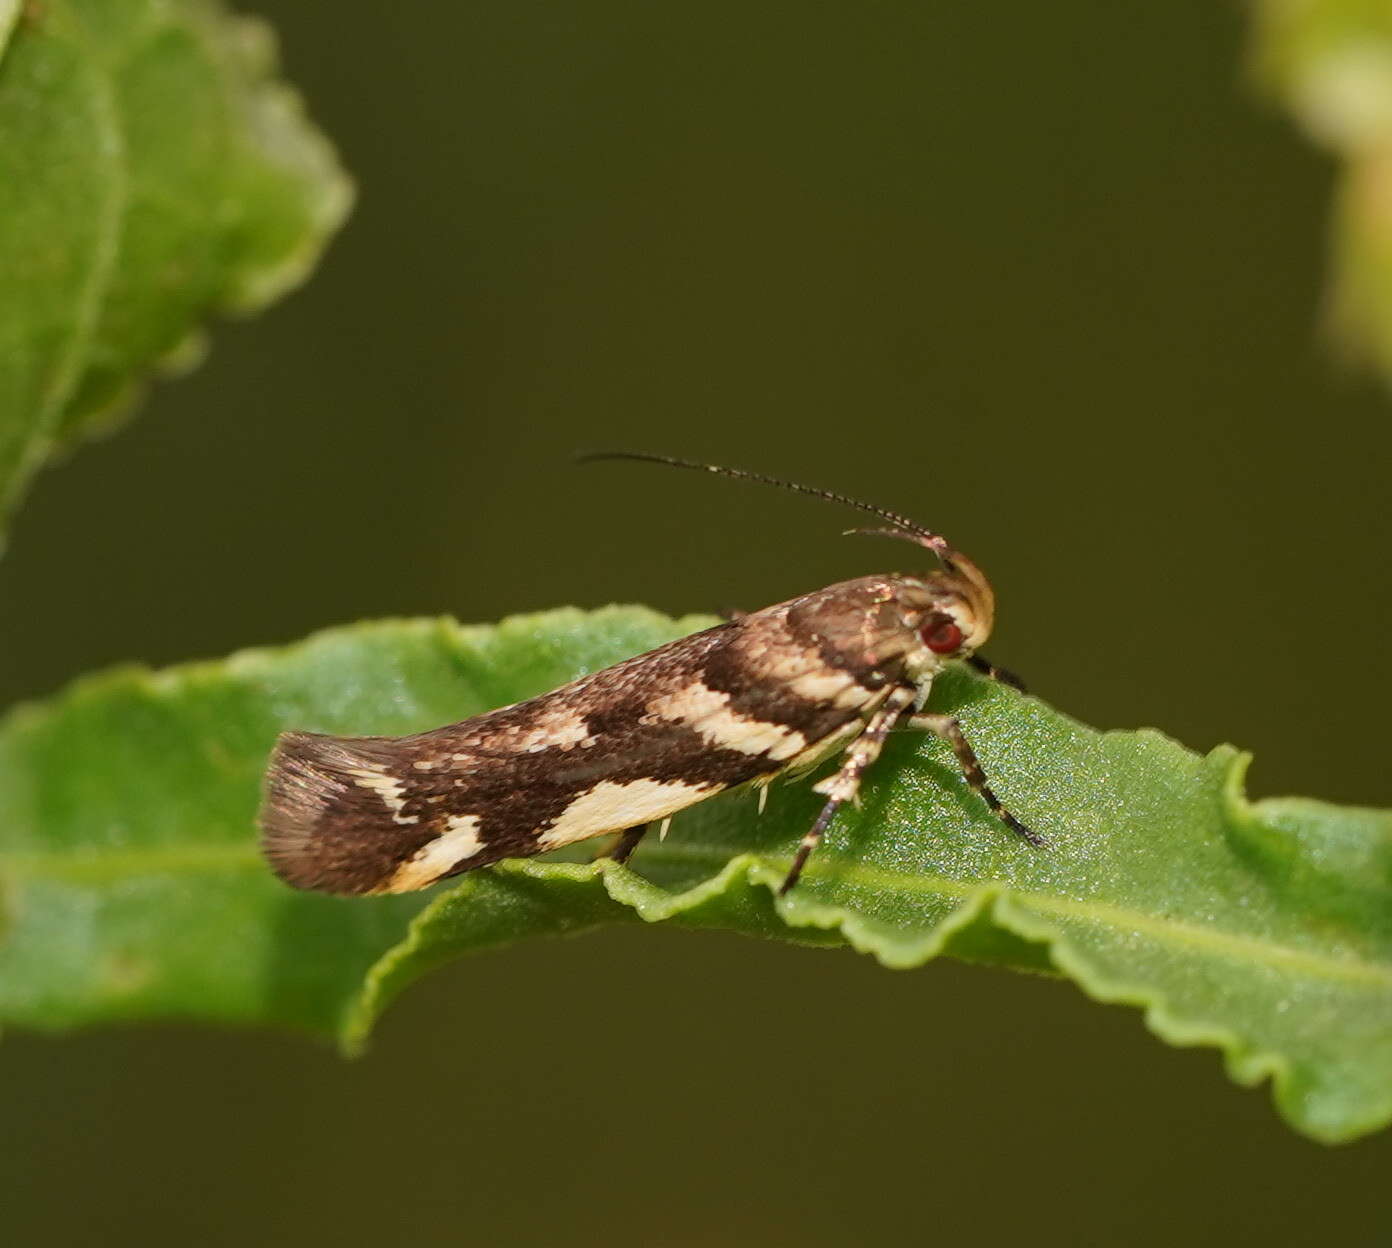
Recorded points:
(432, 860)
(708, 712)
(613, 807)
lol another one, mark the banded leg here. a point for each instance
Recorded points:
(1002, 674)
(947, 727)
(845, 784)
(627, 843)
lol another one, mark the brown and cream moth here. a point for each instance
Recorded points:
(768, 694)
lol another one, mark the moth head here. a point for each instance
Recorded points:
(954, 608)
(960, 618)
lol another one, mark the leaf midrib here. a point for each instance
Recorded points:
(1100, 913)
(110, 216)
(90, 865)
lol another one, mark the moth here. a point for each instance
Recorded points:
(765, 695)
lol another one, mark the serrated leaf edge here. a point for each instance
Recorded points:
(1008, 909)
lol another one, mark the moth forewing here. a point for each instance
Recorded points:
(767, 694)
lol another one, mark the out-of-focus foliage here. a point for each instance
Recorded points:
(1331, 63)
(152, 171)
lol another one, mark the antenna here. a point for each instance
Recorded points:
(953, 561)
(903, 527)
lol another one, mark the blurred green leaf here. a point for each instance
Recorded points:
(130, 884)
(1330, 62)
(152, 171)
(9, 15)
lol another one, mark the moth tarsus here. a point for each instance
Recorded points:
(764, 695)
(1002, 674)
(950, 730)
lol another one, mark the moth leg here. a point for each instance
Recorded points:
(1006, 677)
(844, 786)
(948, 728)
(627, 843)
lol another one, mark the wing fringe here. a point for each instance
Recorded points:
(323, 825)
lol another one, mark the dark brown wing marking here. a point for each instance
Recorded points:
(344, 814)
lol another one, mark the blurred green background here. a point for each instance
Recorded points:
(1044, 276)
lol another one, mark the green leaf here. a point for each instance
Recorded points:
(152, 172)
(1330, 62)
(132, 887)
(9, 15)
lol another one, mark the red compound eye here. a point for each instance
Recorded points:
(941, 634)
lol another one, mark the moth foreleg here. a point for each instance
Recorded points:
(1002, 674)
(950, 730)
(844, 786)
(628, 842)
